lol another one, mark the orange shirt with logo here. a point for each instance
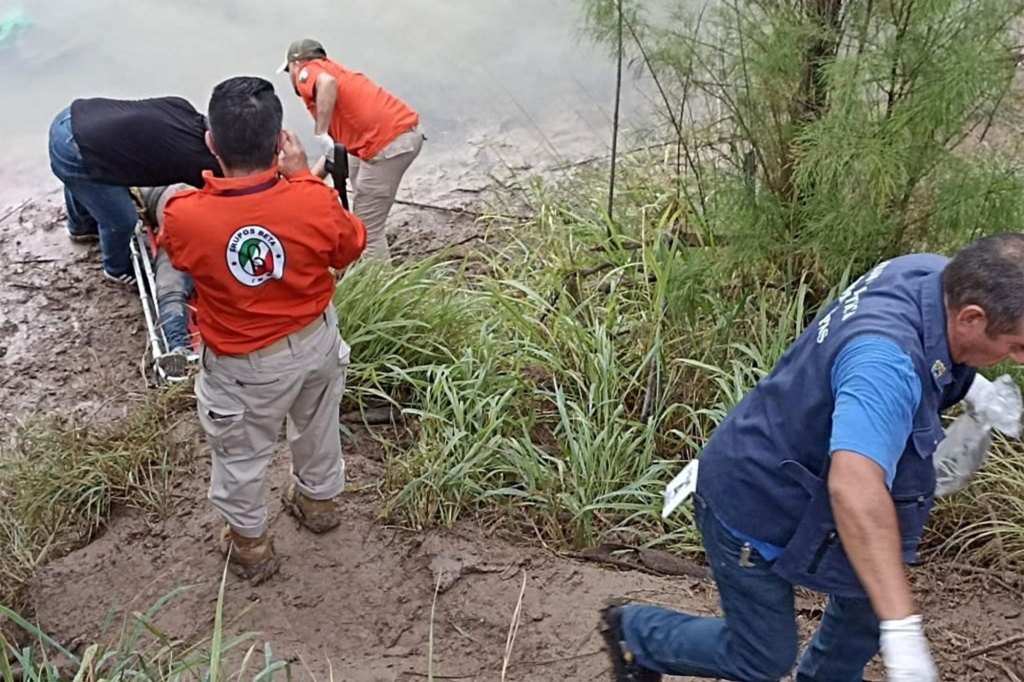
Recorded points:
(366, 117)
(258, 249)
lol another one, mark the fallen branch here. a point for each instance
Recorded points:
(553, 661)
(989, 648)
(374, 416)
(652, 561)
(590, 555)
(996, 575)
(457, 210)
(16, 209)
(451, 245)
(435, 676)
(436, 207)
(1010, 675)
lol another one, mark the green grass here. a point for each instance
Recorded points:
(545, 384)
(60, 478)
(554, 382)
(140, 650)
(556, 378)
(560, 381)
(984, 524)
(525, 379)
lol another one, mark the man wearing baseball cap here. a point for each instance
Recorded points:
(379, 131)
(259, 244)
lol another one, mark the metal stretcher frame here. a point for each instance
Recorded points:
(143, 250)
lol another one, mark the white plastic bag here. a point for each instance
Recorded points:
(960, 454)
(990, 406)
(996, 403)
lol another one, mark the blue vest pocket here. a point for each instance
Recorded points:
(912, 514)
(814, 557)
(826, 544)
(927, 438)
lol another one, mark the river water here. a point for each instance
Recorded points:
(496, 82)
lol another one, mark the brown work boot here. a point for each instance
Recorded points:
(319, 516)
(252, 559)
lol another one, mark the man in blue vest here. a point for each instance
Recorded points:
(822, 476)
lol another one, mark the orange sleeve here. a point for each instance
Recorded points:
(350, 235)
(307, 86)
(168, 238)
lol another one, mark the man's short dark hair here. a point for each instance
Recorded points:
(245, 119)
(989, 273)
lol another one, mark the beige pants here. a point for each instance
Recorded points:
(375, 184)
(243, 400)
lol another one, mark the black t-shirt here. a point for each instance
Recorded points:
(142, 143)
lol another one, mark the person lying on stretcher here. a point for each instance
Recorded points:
(173, 289)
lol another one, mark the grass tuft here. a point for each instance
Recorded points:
(60, 478)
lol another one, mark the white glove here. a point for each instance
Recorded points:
(326, 145)
(905, 651)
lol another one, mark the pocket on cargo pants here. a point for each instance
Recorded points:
(222, 417)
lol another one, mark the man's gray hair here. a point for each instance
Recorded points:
(989, 273)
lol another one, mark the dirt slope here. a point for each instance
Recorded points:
(358, 600)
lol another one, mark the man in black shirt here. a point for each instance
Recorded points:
(99, 148)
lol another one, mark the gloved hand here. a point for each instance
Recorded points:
(326, 145)
(905, 651)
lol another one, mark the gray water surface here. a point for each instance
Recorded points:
(476, 70)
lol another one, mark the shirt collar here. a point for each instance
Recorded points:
(936, 341)
(241, 186)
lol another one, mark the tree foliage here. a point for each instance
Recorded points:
(843, 131)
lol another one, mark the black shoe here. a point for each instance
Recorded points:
(125, 278)
(84, 237)
(624, 666)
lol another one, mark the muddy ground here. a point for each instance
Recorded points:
(355, 603)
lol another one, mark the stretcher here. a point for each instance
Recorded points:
(144, 254)
(144, 263)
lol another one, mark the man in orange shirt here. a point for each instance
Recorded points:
(259, 244)
(380, 132)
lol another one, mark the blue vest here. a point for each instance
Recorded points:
(764, 471)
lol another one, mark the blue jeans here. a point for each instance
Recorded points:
(757, 640)
(93, 206)
(172, 289)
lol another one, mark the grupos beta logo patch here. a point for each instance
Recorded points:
(255, 255)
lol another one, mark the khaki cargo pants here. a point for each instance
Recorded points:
(244, 399)
(375, 184)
